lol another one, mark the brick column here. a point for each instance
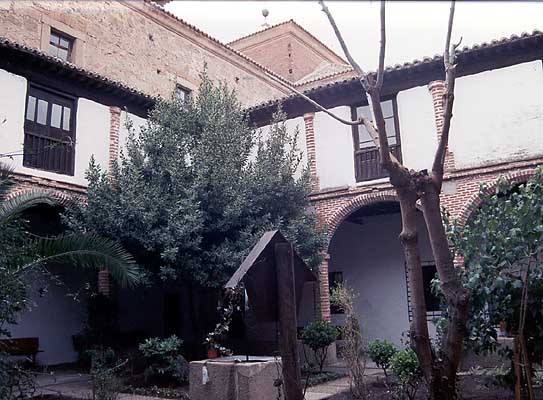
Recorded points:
(324, 290)
(104, 279)
(311, 152)
(114, 125)
(104, 282)
(437, 91)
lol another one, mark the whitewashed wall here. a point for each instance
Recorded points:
(417, 127)
(498, 116)
(372, 261)
(292, 125)
(55, 316)
(334, 149)
(126, 118)
(92, 130)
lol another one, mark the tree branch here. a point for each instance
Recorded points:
(450, 77)
(317, 105)
(372, 130)
(363, 76)
(381, 70)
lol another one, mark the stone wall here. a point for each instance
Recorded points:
(137, 43)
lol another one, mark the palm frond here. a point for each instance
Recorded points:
(90, 251)
(6, 179)
(12, 208)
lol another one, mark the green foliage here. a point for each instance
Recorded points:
(406, 368)
(105, 384)
(318, 335)
(196, 187)
(23, 254)
(500, 244)
(164, 360)
(381, 352)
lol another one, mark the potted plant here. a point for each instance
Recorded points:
(212, 346)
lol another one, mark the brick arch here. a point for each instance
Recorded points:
(474, 201)
(354, 204)
(58, 195)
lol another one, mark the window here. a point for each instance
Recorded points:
(49, 131)
(335, 278)
(433, 306)
(182, 94)
(367, 165)
(61, 45)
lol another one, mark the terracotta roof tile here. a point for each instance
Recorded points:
(408, 65)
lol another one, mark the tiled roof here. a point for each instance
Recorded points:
(161, 9)
(292, 22)
(465, 51)
(67, 66)
(323, 72)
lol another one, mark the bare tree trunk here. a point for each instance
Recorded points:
(439, 369)
(443, 386)
(420, 339)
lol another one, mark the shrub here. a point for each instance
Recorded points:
(105, 385)
(318, 336)
(405, 366)
(164, 359)
(354, 343)
(381, 352)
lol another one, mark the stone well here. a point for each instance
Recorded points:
(233, 378)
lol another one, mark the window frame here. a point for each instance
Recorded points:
(184, 89)
(71, 44)
(356, 137)
(48, 132)
(430, 314)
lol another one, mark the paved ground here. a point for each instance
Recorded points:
(327, 389)
(74, 385)
(77, 385)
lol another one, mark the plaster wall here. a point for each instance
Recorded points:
(372, 262)
(498, 116)
(417, 127)
(334, 149)
(91, 136)
(55, 315)
(137, 124)
(293, 125)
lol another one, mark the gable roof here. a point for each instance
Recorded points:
(343, 90)
(295, 29)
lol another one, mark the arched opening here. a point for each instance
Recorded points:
(365, 253)
(55, 295)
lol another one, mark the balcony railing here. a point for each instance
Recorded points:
(367, 165)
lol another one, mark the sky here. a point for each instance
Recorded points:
(414, 29)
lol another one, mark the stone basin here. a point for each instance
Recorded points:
(235, 378)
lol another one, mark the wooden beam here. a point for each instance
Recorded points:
(284, 264)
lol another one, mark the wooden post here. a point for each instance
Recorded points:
(284, 263)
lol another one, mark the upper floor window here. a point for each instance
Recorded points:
(182, 94)
(61, 45)
(49, 131)
(367, 161)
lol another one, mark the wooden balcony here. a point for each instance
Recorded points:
(366, 162)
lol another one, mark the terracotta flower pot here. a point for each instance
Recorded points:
(212, 353)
